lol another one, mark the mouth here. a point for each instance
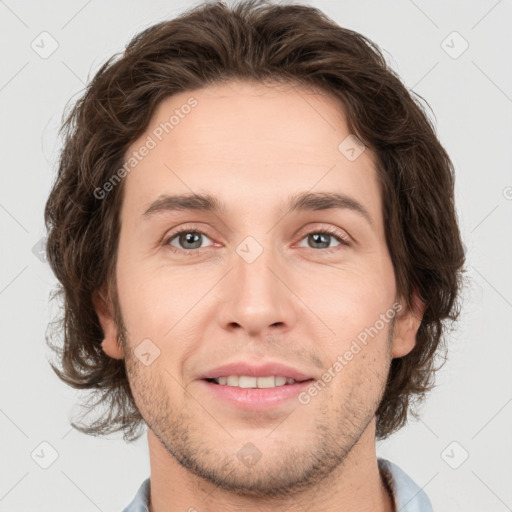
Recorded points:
(255, 386)
(251, 393)
(251, 382)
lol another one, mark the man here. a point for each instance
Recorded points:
(254, 229)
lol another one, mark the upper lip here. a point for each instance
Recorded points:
(256, 370)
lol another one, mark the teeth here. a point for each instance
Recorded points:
(233, 380)
(245, 381)
(266, 382)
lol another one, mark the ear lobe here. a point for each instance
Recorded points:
(406, 326)
(103, 309)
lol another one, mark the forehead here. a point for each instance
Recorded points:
(240, 114)
(261, 140)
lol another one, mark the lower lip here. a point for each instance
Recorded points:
(256, 399)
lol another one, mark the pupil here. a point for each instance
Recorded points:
(317, 238)
(189, 238)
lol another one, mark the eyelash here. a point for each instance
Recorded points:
(344, 241)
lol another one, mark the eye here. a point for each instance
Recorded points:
(188, 239)
(321, 239)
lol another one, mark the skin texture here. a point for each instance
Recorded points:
(251, 146)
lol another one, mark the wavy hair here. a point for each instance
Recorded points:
(258, 41)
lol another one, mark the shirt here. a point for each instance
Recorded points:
(407, 495)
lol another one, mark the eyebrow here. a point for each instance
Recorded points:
(304, 201)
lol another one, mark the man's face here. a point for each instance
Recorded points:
(254, 283)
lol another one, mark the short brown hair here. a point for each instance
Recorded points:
(257, 41)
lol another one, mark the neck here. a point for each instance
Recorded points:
(355, 485)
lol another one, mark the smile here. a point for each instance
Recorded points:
(254, 393)
(246, 381)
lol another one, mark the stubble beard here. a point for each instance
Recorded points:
(277, 474)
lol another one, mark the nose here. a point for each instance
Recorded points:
(258, 298)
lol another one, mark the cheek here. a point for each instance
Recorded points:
(358, 369)
(348, 300)
(360, 313)
(162, 304)
(146, 298)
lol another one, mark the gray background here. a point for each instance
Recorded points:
(470, 412)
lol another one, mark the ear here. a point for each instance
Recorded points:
(104, 310)
(406, 326)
